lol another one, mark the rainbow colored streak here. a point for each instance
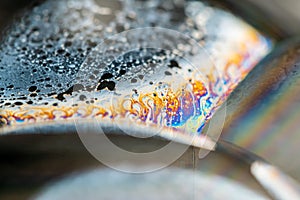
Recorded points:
(274, 124)
(189, 108)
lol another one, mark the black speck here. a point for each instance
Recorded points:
(18, 103)
(141, 76)
(33, 95)
(82, 97)
(119, 28)
(122, 72)
(106, 76)
(75, 87)
(10, 86)
(68, 44)
(110, 85)
(133, 80)
(174, 63)
(60, 51)
(168, 73)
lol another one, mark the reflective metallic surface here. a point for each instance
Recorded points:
(60, 58)
(36, 162)
(160, 185)
(265, 118)
(141, 79)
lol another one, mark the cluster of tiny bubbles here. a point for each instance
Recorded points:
(147, 75)
(40, 56)
(131, 59)
(42, 51)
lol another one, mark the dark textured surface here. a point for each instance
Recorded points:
(8, 10)
(31, 162)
